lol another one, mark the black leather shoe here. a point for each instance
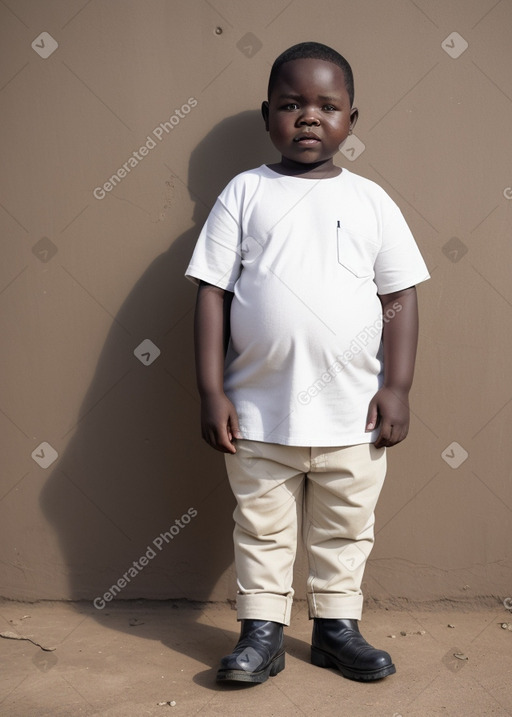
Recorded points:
(258, 655)
(339, 644)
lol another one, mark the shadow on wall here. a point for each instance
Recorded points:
(136, 480)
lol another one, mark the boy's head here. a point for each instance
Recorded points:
(309, 111)
(313, 51)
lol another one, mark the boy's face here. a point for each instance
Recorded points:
(308, 114)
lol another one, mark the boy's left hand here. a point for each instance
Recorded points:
(389, 409)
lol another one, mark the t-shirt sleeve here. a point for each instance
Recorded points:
(399, 263)
(217, 258)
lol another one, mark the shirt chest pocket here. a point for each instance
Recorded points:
(355, 252)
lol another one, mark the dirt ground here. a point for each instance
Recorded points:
(159, 659)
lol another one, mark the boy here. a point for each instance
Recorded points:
(306, 333)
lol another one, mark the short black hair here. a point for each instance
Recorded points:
(314, 51)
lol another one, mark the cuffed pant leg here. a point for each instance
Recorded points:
(267, 480)
(341, 492)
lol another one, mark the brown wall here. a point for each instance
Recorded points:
(85, 280)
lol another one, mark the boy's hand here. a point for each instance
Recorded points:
(219, 422)
(389, 409)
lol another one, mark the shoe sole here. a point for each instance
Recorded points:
(323, 659)
(276, 666)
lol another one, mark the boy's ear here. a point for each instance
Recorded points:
(264, 112)
(354, 114)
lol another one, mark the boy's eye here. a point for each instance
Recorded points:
(292, 106)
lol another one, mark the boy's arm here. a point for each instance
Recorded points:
(390, 406)
(219, 420)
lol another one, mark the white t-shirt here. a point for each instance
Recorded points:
(306, 260)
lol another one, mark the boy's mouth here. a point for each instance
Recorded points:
(307, 138)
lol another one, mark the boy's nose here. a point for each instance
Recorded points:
(309, 119)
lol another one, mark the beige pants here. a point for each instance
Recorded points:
(331, 493)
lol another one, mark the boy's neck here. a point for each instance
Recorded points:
(317, 170)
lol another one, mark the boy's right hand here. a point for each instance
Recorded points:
(219, 422)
